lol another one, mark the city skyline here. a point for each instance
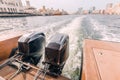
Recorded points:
(71, 5)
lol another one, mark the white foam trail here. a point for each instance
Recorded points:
(49, 27)
(104, 31)
(71, 29)
(73, 62)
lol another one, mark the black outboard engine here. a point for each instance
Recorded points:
(32, 47)
(56, 53)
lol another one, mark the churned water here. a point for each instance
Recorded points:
(78, 27)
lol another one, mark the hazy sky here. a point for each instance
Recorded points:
(71, 5)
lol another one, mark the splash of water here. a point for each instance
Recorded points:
(105, 31)
(72, 66)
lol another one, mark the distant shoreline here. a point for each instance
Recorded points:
(6, 14)
(9, 14)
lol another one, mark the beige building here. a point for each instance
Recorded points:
(96, 12)
(47, 11)
(11, 6)
(29, 9)
(85, 12)
(57, 12)
(116, 9)
(43, 11)
(113, 9)
(109, 9)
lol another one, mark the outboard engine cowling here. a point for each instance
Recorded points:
(32, 47)
(56, 53)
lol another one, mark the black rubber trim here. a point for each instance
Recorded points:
(13, 51)
(81, 67)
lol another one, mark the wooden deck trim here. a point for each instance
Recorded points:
(90, 68)
(6, 47)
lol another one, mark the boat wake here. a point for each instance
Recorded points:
(108, 33)
(72, 67)
(70, 27)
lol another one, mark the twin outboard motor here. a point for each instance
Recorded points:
(32, 47)
(56, 53)
(30, 50)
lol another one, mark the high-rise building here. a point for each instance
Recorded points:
(110, 5)
(116, 8)
(29, 9)
(27, 3)
(92, 9)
